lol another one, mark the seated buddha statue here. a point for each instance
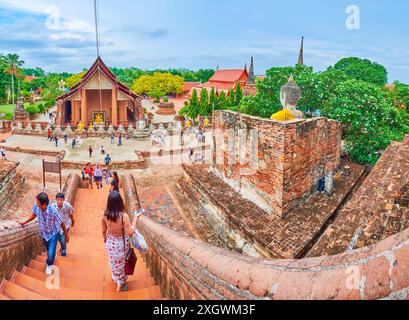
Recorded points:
(290, 94)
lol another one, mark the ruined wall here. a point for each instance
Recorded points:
(19, 245)
(190, 269)
(292, 157)
(10, 180)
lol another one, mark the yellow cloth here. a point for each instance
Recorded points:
(283, 115)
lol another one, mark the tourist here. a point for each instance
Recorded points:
(116, 230)
(3, 154)
(88, 174)
(98, 176)
(115, 182)
(191, 153)
(74, 142)
(49, 135)
(107, 175)
(67, 213)
(90, 150)
(102, 150)
(56, 140)
(120, 140)
(65, 138)
(107, 161)
(79, 141)
(50, 222)
(112, 136)
(58, 159)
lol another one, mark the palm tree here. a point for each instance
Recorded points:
(12, 63)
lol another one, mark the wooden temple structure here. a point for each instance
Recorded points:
(99, 99)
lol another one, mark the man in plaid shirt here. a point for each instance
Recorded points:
(50, 222)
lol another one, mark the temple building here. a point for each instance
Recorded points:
(99, 98)
(224, 80)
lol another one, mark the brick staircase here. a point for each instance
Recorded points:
(85, 273)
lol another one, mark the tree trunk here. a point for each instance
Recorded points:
(12, 94)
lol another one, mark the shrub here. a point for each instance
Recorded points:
(165, 100)
(33, 109)
(41, 106)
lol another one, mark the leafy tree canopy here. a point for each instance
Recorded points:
(363, 69)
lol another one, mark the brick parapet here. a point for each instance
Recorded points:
(191, 269)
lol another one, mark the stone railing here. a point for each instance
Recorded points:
(35, 152)
(186, 268)
(139, 163)
(19, 245)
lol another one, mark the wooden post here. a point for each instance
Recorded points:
(43, 174)
(84, 119)
(114, 112)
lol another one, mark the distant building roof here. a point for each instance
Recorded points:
(30, 78)
(187, 86)
(229, 75)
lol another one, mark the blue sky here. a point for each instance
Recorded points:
(203, 34)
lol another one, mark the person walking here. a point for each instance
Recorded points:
(120, 140)
(67, 212)
(90, 151)
(103, 152)
(3, 154)
(115, 182)
(50, 222)
(98, 176)
(65, 138)
(107, 161)
(112, 136)
(74, 142)
(56, 141)
(116, 230)
(88, 173)
(49, 135)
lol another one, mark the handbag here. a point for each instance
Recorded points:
(130, 258)
(139, 242)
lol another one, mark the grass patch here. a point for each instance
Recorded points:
(7, 109)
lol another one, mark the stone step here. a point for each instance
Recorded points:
(17, 292)
(63, 293)
(76, 282)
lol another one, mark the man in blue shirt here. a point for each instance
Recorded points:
(50, 222)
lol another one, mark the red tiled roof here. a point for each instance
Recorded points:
(228, 75)
(99, 65)
(30, 78)
(189, 85)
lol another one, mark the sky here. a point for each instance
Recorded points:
(60, 35)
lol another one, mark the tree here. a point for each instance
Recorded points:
(156, 93)
(12, 63)
(221, 101)
(364, 70)
(238, 95)
(75, 79)
(370, 120)
(166, 82)
(231, 99)
(204, 107)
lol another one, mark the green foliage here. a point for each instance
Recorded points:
(74, 79)
(37, 72)
(163, 82)
(371, 121)
(363, 69)
(33, 109)
(238, 95)
(41, 107)
(204, 107)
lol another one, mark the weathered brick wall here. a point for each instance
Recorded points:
(19, 245)
(10, 180)
(292, 157)
(190, 269)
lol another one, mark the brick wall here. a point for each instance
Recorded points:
(292, 157)
(19, 245)
(10, 181)
(190, 269)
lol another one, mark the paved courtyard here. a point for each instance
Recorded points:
(117, 153)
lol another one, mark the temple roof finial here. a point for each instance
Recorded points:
(301, 54)
(251, 79)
